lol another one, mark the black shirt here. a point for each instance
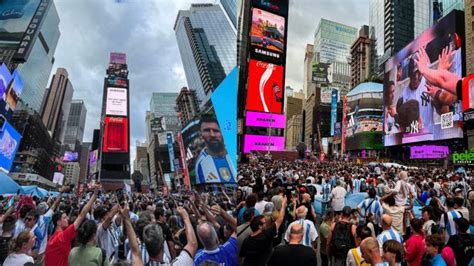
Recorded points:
(166, 232)
(256, 250)
(4, 247)
(463, 247)
(293, 255)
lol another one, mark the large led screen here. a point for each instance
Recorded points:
(468, 92)
(429, 152)
(15, 16)
(93, 156)
(115, 134)
(116, 102)
(70, 156)
(275, 6)
(265, 92)
(255, 119)
(206, 155)
(9, 143)
(420, 96)
(263, 143)
(267, 36)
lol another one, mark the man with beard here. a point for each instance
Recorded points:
(213, 164)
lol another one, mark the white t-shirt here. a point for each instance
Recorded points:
(260, 206)
(17, 259)
(424, 103)
(397, 215)
(108, 239)
(19, 227)
(43, 222)
(338, 195)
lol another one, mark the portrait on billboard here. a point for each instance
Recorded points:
(420, 87)
(265, 93)
(267, 36)
(205, 152)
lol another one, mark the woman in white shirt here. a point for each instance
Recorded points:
(23, 244)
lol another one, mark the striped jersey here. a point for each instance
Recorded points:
(373, 206)
(390, 234)
(450, 226)
(211, 169)
(309, 232)
(356, 185)
(326, 192)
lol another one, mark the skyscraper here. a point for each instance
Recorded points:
(36, 63)
(332, 44)
(308, 85)
(162, 104)
(207, 45)
(75, 124)
(450, 5)
(230, 8)
(57, 104)
(362, 57)
(114, 146)
(187, 106)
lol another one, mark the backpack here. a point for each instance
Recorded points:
(342, 240)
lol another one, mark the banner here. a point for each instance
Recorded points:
(115, 134)
(116, 103)
(333, 109)
(429, 152)
(344, 123)
(169, 138)
(263, 143)
(269, 120)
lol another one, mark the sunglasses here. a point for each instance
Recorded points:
(29, 219)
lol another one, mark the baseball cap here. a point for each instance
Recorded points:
(462, 223)
(346, 211)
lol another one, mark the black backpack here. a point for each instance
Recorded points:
(342, 240)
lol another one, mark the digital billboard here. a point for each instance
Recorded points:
(93, 157)
(116, 102)
(263, 143)
(265, 92)
(115, 134)
(274, 6)
(321, 72)
(256, 119)
(429, 152)
(15, 16)
(267, 36)
(420, 86)
(70, 156)
(205, 153)
(9, 143)
(118, 58)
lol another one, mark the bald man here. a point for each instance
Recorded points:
(388, 232)
(310, 235)
(370, 250)
(212, 251)
(285, 254)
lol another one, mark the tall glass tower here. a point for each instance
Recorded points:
(207, 45)
(162, 104)
(230, 8)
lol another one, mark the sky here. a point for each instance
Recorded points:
(143, 29)
(303, 18)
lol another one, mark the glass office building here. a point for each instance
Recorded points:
(423, 16)
(376, 24)
(205, 25)
(75, 124)
(162, 104)
(450, 5)
(230, 8)
(37, 69)
(333, 41)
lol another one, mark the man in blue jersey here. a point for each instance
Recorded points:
(213, 164)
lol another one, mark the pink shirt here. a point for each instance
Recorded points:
(448, 256)
(414, 249)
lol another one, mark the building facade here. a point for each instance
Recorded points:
(308, 85)
(84, 161)
(230, 8)
(294, 130)
(75, 124)
(362, 57)
(163, 104)
(449, 5)
(187, 106)
(71, 171)
(57, 104)
(207, 43)
(36, 70)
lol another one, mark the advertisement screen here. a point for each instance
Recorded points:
(118, 58)
(9, 143)
(420, 96)
(93, 156)
(429, 152)
(275, 6)
(321, 72)
(265, 93)
(116, 102)
(263, 143)
(15, 17)
(115, 135)
(334, 94)
(468, 92)
(267, 36)
(70, 156)
(205, 152)
(255, 119)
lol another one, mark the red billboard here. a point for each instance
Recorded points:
(265, 87)
(115, 134)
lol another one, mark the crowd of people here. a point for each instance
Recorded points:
(416, 216)
(118, 228)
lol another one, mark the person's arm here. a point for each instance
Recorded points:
(132, 237)
(191, 240)
(7, 213)
(312, 211)
(58, 199)
(281, 215)
(443, 97)
(85, 210)
(410, 251)
(382, 199)
(109, 216)
(329, 240)
(210, 217)
(216, 209)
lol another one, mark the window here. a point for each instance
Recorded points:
(472, 10)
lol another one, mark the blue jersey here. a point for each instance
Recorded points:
(224, 255)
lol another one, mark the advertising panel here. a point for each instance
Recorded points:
(116, 102)
(255, 119)
(163, 138)
(429, 152)
(205, 152)
(115, 134)
(344, 121)
(337, 129)
(70, 156)
(9, 143)
(326, 95)
(10, 93)
(320, 72)
(15, 17)
(169, 138)
(93, 156)
(118, 58)
(265, 93)
(333, 109)
(420, 86)
(267, 36)
(274, 6)
(263, 143)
